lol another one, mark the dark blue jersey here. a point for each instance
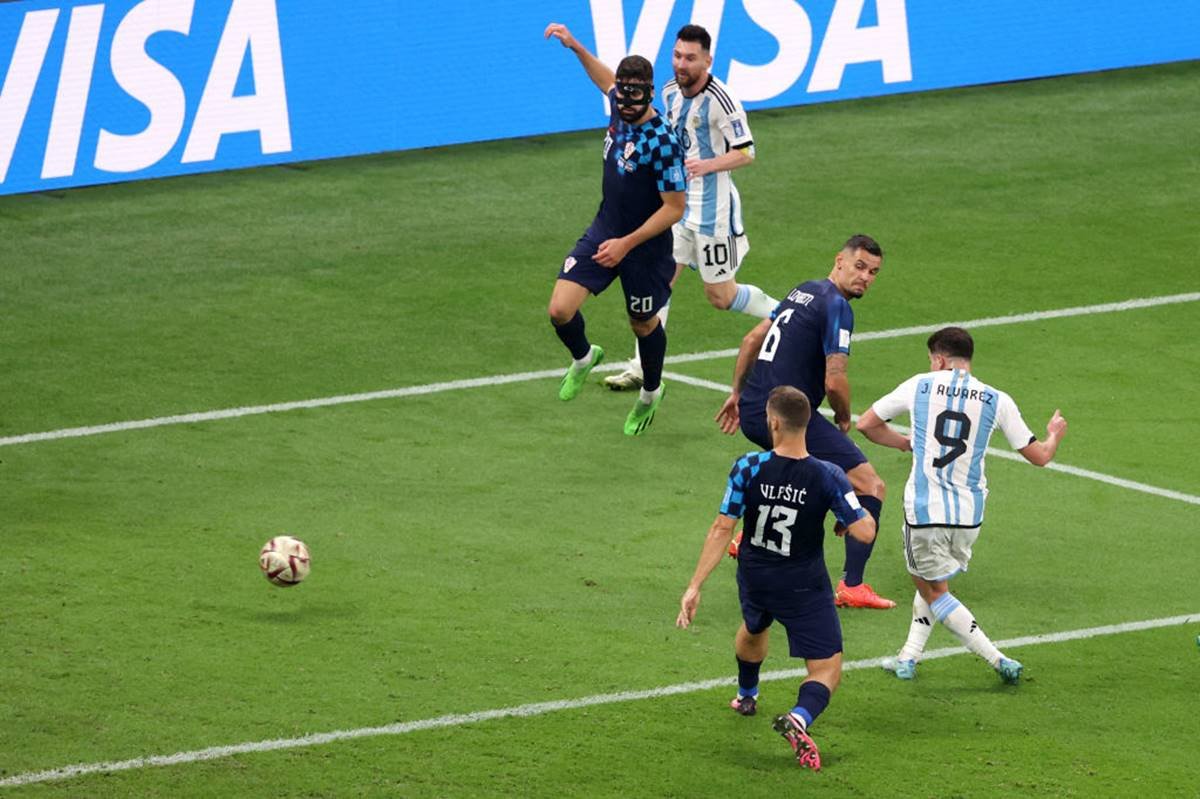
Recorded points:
(812, 322)
(640, 162)
(784, 501)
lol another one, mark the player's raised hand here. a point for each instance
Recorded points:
(1057, 426)
(611, 252)
(727, 418)
(562, 33)
(687, 608)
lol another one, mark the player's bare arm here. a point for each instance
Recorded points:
(715, 544)
(878, 431)
(837, 388)
(612, 251)
(727, 418)
(863, 530)
(1039, 453)
(734, 159)
(601, 75)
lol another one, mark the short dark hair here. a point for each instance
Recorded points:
(791, 406)
(695, 33)
(635, 67)
(952, 342)
(861, 241)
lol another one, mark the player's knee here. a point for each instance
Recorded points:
(560, 313)
(643, 327)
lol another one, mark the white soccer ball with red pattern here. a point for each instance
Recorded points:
(284, 560)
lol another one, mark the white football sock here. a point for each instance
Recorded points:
(918, 630)
(959, 620)
(759, 303)
(647, 397)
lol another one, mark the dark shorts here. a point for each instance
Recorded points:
(645, 279)
(808, 615)
(823, 439)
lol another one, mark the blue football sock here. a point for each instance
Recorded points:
(810, 701)
(858, 553)
(572, 334)
(653, 348)
(748, 677)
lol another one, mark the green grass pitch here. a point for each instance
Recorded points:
(490, 547)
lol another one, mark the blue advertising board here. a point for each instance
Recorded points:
(96, 92)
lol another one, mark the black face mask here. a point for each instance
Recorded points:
(636, 97)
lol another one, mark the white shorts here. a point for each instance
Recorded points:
(716, 257)
(938, 553)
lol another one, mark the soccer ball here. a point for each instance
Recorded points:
(284, 560)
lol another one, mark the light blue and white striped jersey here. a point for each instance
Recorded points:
(708, 125)
(953, 416)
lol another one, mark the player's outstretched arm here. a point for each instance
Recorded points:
(715, 544)
(1039, 453)
(877, 430)
(601, 75)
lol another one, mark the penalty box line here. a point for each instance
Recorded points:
(521, 377)
(542, 708)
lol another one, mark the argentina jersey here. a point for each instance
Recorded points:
(640, 163)
(708, 125)
(783, 502)
(953, 418)
(812, 322)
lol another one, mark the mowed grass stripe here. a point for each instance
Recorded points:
(542, 708)
(519, 377)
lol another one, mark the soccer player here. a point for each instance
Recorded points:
(953, 417)
(713, 130)
(784, 495)
(806, 343)
(630, 238)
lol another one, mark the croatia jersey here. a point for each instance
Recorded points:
(708, 125)
(812, 322)
(640, 163)
(784, 502)
(953, 417)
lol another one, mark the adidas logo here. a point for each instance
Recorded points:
(923, 620)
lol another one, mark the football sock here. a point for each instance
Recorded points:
(959, 620)
(753, 301)
(858, 553)
(811, 700)
(748, 677)
(654, 349)
(918, 631)
(573, 336)
(635, 363)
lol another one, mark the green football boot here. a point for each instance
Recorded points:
(572, 382)
(643, 414)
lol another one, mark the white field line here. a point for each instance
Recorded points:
(521, 377)
(538, 708)
(999, 453)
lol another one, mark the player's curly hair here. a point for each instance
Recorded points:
(635, 68)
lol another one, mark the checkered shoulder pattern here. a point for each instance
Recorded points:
(740, 475)
(661, 149)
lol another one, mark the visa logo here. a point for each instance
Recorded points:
(251, 31)
(844, 43)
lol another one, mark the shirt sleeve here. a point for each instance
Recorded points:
(732, 122)
(839, 324)
(1008, 419)
(842, 501)
(734, 503)
(666, 159)
(898, 401)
